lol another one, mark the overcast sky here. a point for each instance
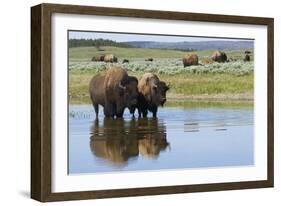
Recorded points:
(137, 37)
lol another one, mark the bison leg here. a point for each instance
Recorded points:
(144, 113)
(119, 110)
(109, 109)
(96, 107)
(120, 114)
(139, 112)
(154, 111)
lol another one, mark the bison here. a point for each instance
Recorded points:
(247, 58)
(149, 60)
(114, 90)
(110, 58)
(219, 56)
(99, 58)
(190, 59)
(125, 61)
(151, 94)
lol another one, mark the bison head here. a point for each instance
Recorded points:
(158, 93)
(128, 89)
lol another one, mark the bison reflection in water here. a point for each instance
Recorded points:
(119, 141)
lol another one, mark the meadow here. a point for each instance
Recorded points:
(209, 81)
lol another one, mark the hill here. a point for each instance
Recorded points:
(200, 45)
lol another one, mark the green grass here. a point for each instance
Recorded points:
(182, 85)
(233, 80)
(86, 53)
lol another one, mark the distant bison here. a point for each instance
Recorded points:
(247, 58)
(248, 52)
(114, 90)
(149, 60)
(151, 94)
(190, 59)
(219, 56)
(99, 58)
(110, 58)
(125, 61)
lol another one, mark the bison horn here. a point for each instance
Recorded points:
(121, 86)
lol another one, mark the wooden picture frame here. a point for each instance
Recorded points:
(41, 95)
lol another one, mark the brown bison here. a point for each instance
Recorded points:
(247, 58)
(219, 56)
(190, 59)
(99, 58)
(114, 90)
(110, 58)
(125, 61)
(149, 60)
(151, 94)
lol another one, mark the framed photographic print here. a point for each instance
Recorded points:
(130, 102)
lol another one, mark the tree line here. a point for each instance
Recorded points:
(95, 43)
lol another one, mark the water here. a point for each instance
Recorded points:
(179, 138)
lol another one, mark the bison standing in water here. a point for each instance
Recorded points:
(114, 90)
(219, 56)
(152, 93)
(110, 58)
(190, 59)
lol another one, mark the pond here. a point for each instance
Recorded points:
(180, 137)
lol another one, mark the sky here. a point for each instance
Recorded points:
(118, 37)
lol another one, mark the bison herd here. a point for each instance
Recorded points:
(116, 90)
(188, 59)
(217, 56)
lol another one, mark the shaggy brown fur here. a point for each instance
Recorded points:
(114, 90)
(99, 58)
(120, 91)
(219, 56)
(152, 93)
(97, 92)
(190, 59)
(110, 58)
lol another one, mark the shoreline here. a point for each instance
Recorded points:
(248, 97)
(244, 98)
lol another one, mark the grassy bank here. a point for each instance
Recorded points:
(184, 86)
